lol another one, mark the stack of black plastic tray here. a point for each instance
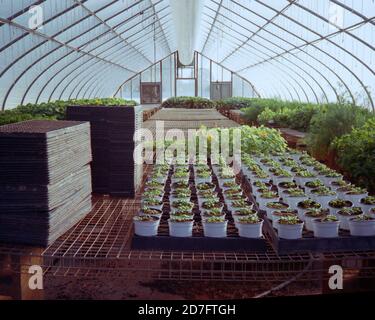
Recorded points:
(114, 171)
(45, 179)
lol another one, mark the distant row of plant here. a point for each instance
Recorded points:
(340, 130)
(189, 103)
(54, 110)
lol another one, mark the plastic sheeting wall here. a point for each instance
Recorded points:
(301, 50)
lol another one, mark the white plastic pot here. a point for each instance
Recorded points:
(367, 207)
(202, 180)
(293, 201)
(146, 228)
(275, 219)
(324, 200)
(344, 221)
(334, 211)
(215, 229)
(326, 229)
(309, 222)
(250, 230)
(180, 229)
(159, 207)
(232, 209)
(290, 231)
(362, 228)
(302, 180)
(263, 201)
(328, 180)
(276, 179)
(355, 198)
(269, 211)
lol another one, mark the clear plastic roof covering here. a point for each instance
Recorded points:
(308, 50)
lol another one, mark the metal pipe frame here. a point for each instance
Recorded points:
(83, 45)
(78, 74)
(291, 44)
(77, 22)
(259, 30)
(281, 84)
(328, 40)
(108, 63)
(284, 65)
(294, 64)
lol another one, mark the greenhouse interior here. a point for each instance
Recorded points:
(148, 147)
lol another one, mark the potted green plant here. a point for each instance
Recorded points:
(290, 227)
(180, 226)
(179, 205)
(226, 175)
(345, 214)
(159, 176)
(212, 204)
(150, 212)
(180, 194)
(327, 227)
(336, 184)
(260, 175)
(153, 193)
(203, 176)
(265, 197)
(312, 215)
(258, 191)
(341, 191)
(215, 212)
(180, 185)
(213, 197)
(273, 206)
(304, 176)
(311, 185)
(238, 204)
(355, 195)
(305, 206)
(293, 196)
(152, 203)
(336, 205)
(284, 185)
(367, 203)
(215, 227)
(250, 227)
(205, 186)
(278, 214)
(243, 212)
(146, 226)
(323, 195)
(155, 184)
(331, 176)
(362, 226)
(180, 176)
(229, 185)
(280, 175)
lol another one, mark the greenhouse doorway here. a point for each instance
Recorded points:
(221, 90)
(150, 93)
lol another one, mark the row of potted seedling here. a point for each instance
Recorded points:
(211, 208)
(308, 194)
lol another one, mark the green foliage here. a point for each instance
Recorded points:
(189, 103)
(356, 154)
(262, 140)
(8, 117)
(54, 110)
(333, 121)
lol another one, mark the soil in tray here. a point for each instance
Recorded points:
(198, 241)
